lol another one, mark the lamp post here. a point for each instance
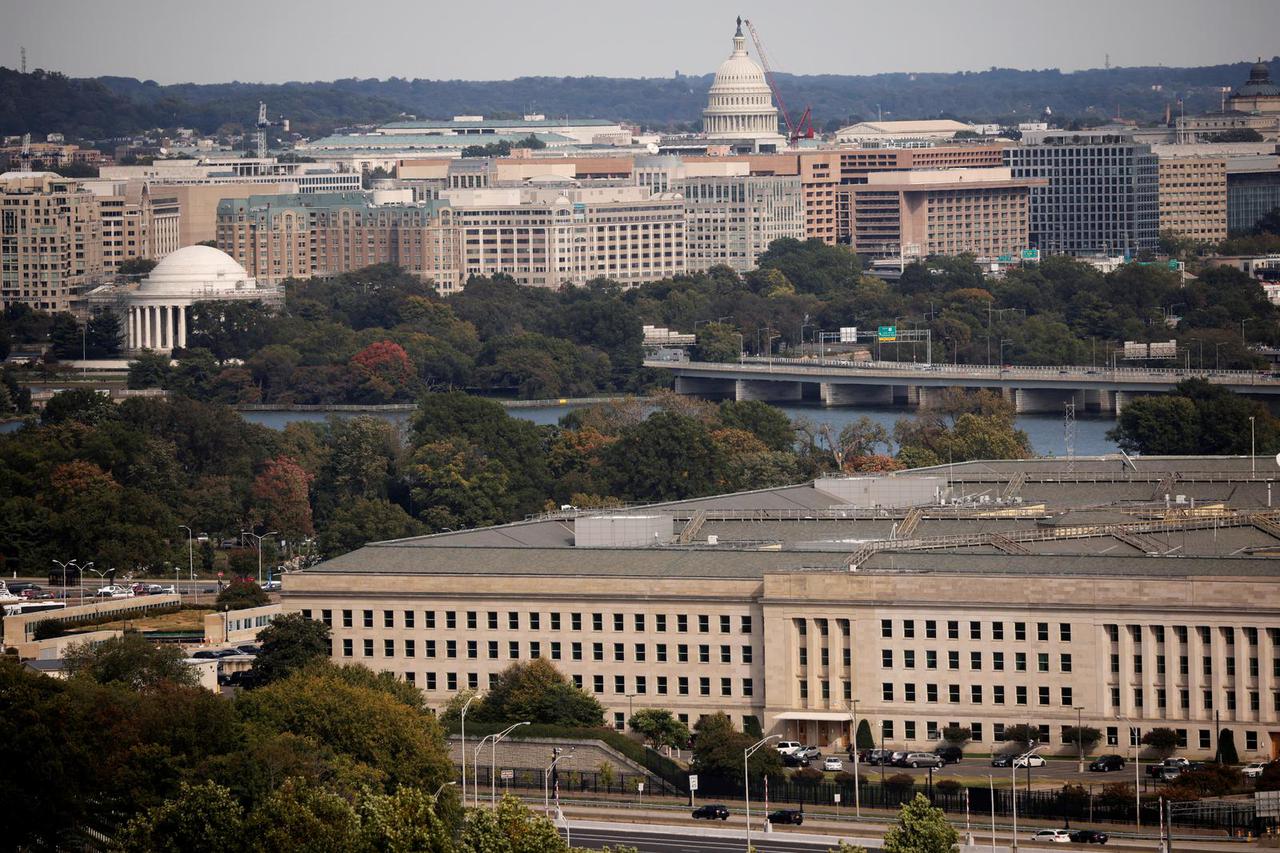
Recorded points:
(630, 696)
(64, 566)
(443, 785)
(467, 705)
(191, 559)
(1079, 739)
(746, 779)
(1253, 449)
(493, 760)
(1137, 774)
(1013, 786)
(259, 538)
(1003, 341)
(546, 779)
(1217, 349)
(853, 747)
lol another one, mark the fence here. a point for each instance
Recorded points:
(571, 782)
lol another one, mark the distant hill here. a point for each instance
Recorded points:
(42, 102)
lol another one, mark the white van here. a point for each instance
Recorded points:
(787, 747)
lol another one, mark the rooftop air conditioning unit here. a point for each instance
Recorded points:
(1180, 499)
(713, 539)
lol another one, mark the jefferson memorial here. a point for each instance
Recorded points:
(155, 311)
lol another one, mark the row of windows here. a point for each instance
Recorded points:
(637, 685)
(1184, 699)
(555, 650)
(997, 630)
(1180, 633)
(908, 658)
(515, 620)
(933, 731)
(1184, 665)
(977, 692)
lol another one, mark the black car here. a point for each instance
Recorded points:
(784, 817)
(1107, 763)
(1088, 836)
(1003, 760)
(249, 649)
(791, 759)
(711, 812)
(949, 754)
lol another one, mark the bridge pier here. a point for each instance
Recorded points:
(768, 390)
(1099, 400)
(696, 386)
(835, 394)
(1044, 399)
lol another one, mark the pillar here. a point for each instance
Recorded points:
(146, 326)
(182, 326)
(836, 394)
(767, 389)
(131, 337)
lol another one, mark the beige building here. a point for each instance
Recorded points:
(922, 212)
(1053, 602)
(50, 240)
(1193, 197)
(138, 221)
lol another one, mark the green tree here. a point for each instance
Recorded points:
(921, 828)
(136, 266)
(65, 338)
(510, 828)
(241, 594)
(767, 423)
(103, 338)
(1227, 753)
(1158, 425)
(864, 738)
(363, 520)
(1163, 741)
(718, 749)
(149, 370)
(407, 821)
(301, 818)
(200, 818)
(130, 659)
(289, 643)
(456, 485)
(538, 692)
(667, 457)
(959, 735)
(1022, 734)
(79, 404)
(718, 342)
(660, 728)
(1086, 736)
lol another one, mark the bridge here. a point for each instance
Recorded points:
(837, 382)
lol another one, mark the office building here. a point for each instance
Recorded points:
(302, 177)
(50, 240)
(320, 234)
(1193, 197)
(137, 221)
(478, 130)
(922, 212)
(1053, 602)
(1253, 190)
(1102, 195)
(875, 133)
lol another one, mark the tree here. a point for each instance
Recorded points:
(667, 457)
(864, 738)
(660, 728)
(1085, 736)
(363, 520)
(921, 828)
(407, 821)
(102, 339)
(302, 818)
(383, 372)
(289, 643)
(65, 338)
(767, 423)
(538, 692)
(149, 370)
(510, 828)
(281, 491)
(130, 659)
(1163, 425)
(242, 594)
(1227, 753)
(1023, 734)
(79, 404)
(1162, 740)
(200, 818)
(959, 735)
(718, 749)
(136, 266)
(718, 342)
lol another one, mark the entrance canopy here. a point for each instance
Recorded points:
(832, 716)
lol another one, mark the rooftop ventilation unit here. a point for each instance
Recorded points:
(629, 530)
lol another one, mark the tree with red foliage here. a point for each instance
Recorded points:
(281, 494)
(384, 372)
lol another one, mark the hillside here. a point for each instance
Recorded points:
(41, 102)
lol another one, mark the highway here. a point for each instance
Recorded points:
(657, 838)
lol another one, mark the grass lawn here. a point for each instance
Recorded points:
(182, 620)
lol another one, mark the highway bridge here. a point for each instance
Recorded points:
(836, 382)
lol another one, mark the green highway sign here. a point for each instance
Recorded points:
(888, 333)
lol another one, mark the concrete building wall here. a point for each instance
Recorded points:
(1193, 197)
(50, 240)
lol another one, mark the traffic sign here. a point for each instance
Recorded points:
(507, 775)
(693, 781)
(837, 796)
(887, 333)
(640, 787)
(848, 334)
(1031, 254)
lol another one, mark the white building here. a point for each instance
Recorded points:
(740, 103)
(155, 311)
(304, 177)
(874, 133)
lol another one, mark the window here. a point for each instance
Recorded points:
(975, 694)
(492, 620)
(597, 683)
(513, 649)
(997, 633)
(953, 630)
(451, 681)
(1207, 665)
(909, 628)
(682, 685)
(930, 629)
(886, 658)
(725, 620)
(597, 621)
(704, 623)
(886, 628)
(682, 653)
(368, 648)
(975, 660)
(408, 618)
(1064, 662)
(1020, 661)
(535, 649)
(575, 651)
(1204, 738)
(997, 661)
(409, 648)
(1115, 697)
(975, 732)
(727, 657)
(886, 691)
(1042, 662)
(744, 626)
(619, 622)
(747, 687)
(431, 681)
(704, 653)
(931, 693)
(555, 621)
(1020, 694)
(368, 618)
(886, 729)
(953, 660)
(639, 652)
(1067, 697)
(1064, 632)
(804, 656)
(471, 620)
(346, 647)
(953, 692)
(909, 659)
(642, 684)
(1184, 665)
(1042, 632)
(346, 619)
(660, 622)
(909, 729)
(619, 684)
(575, 621)
(597, 651)
(997, 694)
(746, 654)
(726, 686)
(639, 622)
(682, 623)
(1043, 695)
(1020, 631)
(1251, 741)
(471, 649)
(975, 630)
(619, 651)
(535, 622)
(704, 686)
(908, 693)
(388, 619)
(451, 648)
(430, 648)
(451, 622)
(662, 685)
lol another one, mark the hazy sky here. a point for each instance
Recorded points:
(278, 40)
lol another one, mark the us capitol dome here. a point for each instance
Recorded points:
(740, 103)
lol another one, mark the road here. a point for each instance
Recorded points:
(1055, 773)
(656, 838)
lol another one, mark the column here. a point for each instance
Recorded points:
(166, 327)
(182, 326)
(131, 337)
(145, 317)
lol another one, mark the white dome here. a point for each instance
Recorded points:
(740, 102)
(196, 270)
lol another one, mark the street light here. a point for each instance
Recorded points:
(63, 566)
(1079, 739)
(470, 699)
(746, 780)
(630, 696)
(1003, 341)
(853, 747)
(191, 562)
(546, 779)
(1013, 787)
(493, 760)
(1253, 449)
(1137, 775)
(443, 785)
(260, 538)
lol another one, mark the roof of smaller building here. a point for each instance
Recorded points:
(473, 124)
(944, 125)
(370, 141)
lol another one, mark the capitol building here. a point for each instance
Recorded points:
(740, 103)
(156, 311)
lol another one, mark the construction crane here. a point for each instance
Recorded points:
(262, 124)
(803, 129)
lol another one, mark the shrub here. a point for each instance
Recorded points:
(846, 779)
(948, 785)
(900, 780)
(807, 776)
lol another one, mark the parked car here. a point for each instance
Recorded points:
(833, 763)
(21, 588)
(1107, 763)
(1161, 770)
(1029, 761)
(206, 654)
(898, 758)
(249, 649)
(1057, 836)
(786, 747)
(271, 586)
(112, 591)
(923, 759)
(35, 593)
(1003, 760)
(793, 759)
(786, 817)
(810, 752)
(711, 812)
(949, 754)
(1089, 836)
(877, 757)
(1253, 769)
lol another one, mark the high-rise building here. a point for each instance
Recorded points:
(50, 240)
(1253, 190)
(1193, 197)
(1102, 192)
(916, 213)
(137, 222)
